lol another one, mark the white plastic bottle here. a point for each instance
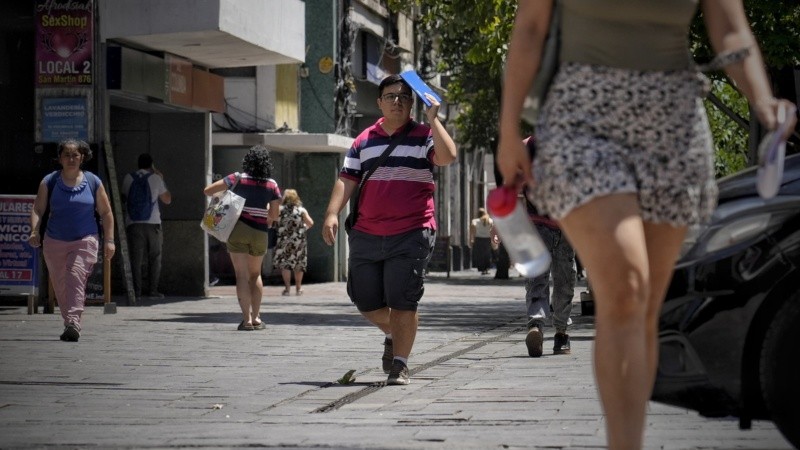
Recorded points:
(519, 236)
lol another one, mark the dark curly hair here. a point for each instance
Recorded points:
(257, 163)
(82, 146)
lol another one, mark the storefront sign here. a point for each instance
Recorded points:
(19, 262)
(208, 91)
(63, 42)
(64, 118)
(179, 81)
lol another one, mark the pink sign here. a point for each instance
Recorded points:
(64, 42)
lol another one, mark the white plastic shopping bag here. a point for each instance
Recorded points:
(222, 213)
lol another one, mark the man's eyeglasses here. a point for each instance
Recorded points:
(391, 98)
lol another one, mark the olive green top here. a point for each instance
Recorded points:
(630, 34)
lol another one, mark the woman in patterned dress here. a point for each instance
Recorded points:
(291, 254)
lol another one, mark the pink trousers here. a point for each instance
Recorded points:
(70, 263)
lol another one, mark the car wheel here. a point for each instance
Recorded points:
(780, 370)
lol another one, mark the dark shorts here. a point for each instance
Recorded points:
(388, 270)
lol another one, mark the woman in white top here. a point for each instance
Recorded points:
(480, 241)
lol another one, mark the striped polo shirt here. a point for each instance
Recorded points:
(398, 196)
(257, 195)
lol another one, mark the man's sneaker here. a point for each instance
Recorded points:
(71, 333)
(534, 342)
(388, 355)
(398, 375)
(561, 344)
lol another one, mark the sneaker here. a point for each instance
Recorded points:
(534, 342)
(398, 375)
(561, 344)
(71, 333)
(388, 355)
(155, 295)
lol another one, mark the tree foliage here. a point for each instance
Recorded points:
(469, 40)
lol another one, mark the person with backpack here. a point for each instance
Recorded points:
(64, 221)
(142, 190)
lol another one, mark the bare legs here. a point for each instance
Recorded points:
(630, 268)
(249, 287)
(298, 281)
(402, 325)
(286, 274)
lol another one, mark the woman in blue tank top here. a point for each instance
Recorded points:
(69, 198)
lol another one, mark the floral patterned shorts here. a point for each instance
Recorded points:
(608, 131)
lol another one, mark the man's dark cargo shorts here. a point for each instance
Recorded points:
(388, 270)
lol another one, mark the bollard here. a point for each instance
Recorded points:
(110, 308)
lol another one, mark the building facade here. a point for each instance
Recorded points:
(195, 83)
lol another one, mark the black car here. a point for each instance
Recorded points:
(729, 330)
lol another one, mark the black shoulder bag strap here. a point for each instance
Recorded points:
(355, 198)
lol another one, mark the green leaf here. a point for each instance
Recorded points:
(347, 378)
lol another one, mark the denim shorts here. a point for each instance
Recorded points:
(607, 131)
(388, 270)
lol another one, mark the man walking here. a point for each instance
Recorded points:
(142, 190)
(393, 236)
(537, 290)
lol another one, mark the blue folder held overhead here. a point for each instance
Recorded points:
(419, 87)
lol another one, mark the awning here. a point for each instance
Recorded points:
(286, 142)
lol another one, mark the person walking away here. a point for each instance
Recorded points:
(624, 161)
(291, 254)
(538, 301)
(480, 241)
(393, 238)
(68, 200)
(142, 191)
(247, 243)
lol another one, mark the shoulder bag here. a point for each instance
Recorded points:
(350, 221)
(548, 66)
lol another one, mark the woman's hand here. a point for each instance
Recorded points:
(110, 248)
(513, 162)
(769, 114)
(34, 240)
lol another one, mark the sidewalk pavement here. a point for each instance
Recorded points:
(176, 373)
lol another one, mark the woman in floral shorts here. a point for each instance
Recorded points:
(625, 161)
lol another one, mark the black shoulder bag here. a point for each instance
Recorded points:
(350, 221)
